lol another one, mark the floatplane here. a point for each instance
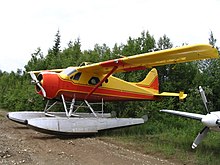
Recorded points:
(95, 83)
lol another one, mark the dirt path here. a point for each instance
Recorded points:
(20, 145)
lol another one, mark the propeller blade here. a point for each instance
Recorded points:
(200, 137)
(42, 89)
(203, 98)
(33, 77)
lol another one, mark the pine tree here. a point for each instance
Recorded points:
(56, 47)
(53, 59)
(212, 40)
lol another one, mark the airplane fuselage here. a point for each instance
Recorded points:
(79, 85)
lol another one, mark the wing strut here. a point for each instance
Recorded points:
(100, 82)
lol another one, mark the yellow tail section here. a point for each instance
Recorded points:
(151, 80)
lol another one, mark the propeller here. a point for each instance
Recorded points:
(209, 120)
(35, 81)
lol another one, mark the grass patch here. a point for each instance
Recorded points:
(169, 141)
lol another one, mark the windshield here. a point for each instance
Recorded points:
(68, 71)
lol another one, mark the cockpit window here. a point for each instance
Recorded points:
(76, 76)
(68, 71)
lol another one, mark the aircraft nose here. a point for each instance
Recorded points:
(49, 83)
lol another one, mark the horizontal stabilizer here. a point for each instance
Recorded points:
(181, 95)
(184, 114)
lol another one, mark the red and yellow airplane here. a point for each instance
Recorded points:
(95, 83)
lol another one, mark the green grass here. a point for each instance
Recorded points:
(169, 140)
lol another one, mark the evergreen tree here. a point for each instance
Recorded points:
(37, 61)
(53, 59)
(56, 47)
(71, 56)
(212, 40)
(164, 43)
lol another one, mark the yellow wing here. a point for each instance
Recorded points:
(148, 60)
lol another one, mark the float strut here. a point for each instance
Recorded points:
(90, 108)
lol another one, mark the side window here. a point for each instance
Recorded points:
(94, 81)
(76, 76)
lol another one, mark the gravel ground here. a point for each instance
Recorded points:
(21, 145)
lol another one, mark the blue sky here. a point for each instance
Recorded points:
(29, 24)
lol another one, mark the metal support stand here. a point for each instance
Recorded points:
(71, 111)
(50, 106)
(64, 105)
(72, 106)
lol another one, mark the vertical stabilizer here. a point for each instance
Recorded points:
(151, 80)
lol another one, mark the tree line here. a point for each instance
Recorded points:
(18, 94)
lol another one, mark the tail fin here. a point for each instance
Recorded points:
(151, 80)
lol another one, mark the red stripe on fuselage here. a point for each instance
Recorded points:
(80, 91)
(54, 86)
(98, 97)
